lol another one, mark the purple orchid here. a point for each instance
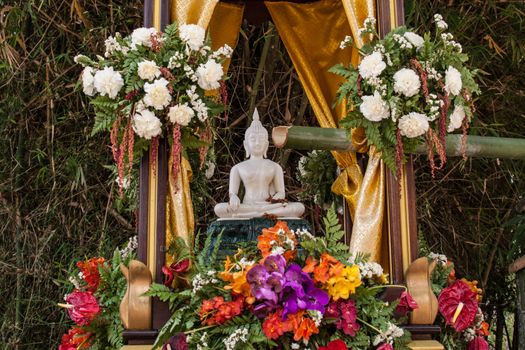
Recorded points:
(266, 281)
(300, 293)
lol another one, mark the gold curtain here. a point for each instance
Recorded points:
(224, 21)
(312, 33)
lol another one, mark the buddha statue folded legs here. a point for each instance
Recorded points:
(263, 182)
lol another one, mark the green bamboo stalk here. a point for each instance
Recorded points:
(310, 138)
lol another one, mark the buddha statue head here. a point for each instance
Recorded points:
(256, 138)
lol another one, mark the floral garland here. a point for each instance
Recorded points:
(151, 85)
(93, 305)
(407, 89)
(290, 291)
(463, 322)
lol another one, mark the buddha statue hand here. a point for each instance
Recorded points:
(235, 202)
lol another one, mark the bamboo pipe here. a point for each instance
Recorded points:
(313, 138)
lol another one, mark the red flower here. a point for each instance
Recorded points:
(337, 344)
(274, 326)
(175, 268)
(216, 311)
(458, 304)
(90, 273)
(82, 307)
(177, 342)
(406, 303)
(479, 343)
(385, 346)
(76, 338)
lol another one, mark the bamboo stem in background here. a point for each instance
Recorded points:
(310, 138)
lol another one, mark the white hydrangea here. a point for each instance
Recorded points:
(108, 82)
(440, 258)
(181, 114)
(142, 36)
(415, 39)
(388, 335)
(370, 269)
(440, 23)
(238, 336)
(406, 82)
(146, 124)
(88, 81)
(413, 124)
(372, 65)
(193, 35)
(148, 70)
(374, 108)
(453, 83)
(209, 75)
(456, 118)
(157, 94)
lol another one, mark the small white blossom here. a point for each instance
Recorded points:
(371, 65)
(197, 104)
(210, 170)
(142, 36)
(239, 336)
(157, 94)
(453, 83)
(75, 282)
(402, 41)
(440, 258)
(316, 316)
(112, 45)
(79, 59)
(148, 70)
(370, 269)
(413, 124)
(295, 346)
(108, 82)
(374, 108)
(456, 118)
(303, 234)
(175, 60)
(88, 81)
(347, 41)
(370, 22)
(193, 35)
(146, 124)
(224, 51)
(181, 114)
(209, 75)
(388, 335)
(469, 334)
(277, 250)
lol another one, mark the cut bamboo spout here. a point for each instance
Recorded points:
(312, 138)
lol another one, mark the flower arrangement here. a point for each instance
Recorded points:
(407, 89)
(151, 85)
(93, 305)
(463, 322)
(289, 290)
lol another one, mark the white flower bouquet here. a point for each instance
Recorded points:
(151, 85)
(407, 89)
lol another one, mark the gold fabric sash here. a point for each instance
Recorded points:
(312, 33)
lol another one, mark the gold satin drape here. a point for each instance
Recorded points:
(312, 33)
(224, 22)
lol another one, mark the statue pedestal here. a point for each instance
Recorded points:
(236, 231)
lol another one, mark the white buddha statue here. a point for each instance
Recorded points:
(263, 182)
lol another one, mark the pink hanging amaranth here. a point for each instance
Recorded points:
(154, 151)
(464, 128)
(399, 155)
(176, 149)
(423, 75)
(224, 98)
(169, 77)
(204, 136)
(443, 129)
(131, 144)
(359, 81)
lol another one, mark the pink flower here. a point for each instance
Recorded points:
(459, 305)
(385, 346)
(82, 307)
(337, 344)
(479, 343)
(406, 303)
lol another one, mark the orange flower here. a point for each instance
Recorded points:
(484, 329)
(309, 265)
(265, 242)
(306, 327)
(277, 236)
(217, 311)
(274, 326)
(326, 268)
(90, 273)
(473, 285)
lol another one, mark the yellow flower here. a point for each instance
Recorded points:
(340, 287)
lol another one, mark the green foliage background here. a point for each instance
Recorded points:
(59, 202)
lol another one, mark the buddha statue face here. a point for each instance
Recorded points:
(256, 138)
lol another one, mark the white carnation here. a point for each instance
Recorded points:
(371, 65)
(148, 70)
(209, 74)
(108, 82)
(142, 36)
(181, 114)
(87, 81)
(374, 108)
(413, 124)
(456, 118)
(406, 82)
(453, 83)
(146, 124)
(193, 35)
(157, 94)
(415, 39)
